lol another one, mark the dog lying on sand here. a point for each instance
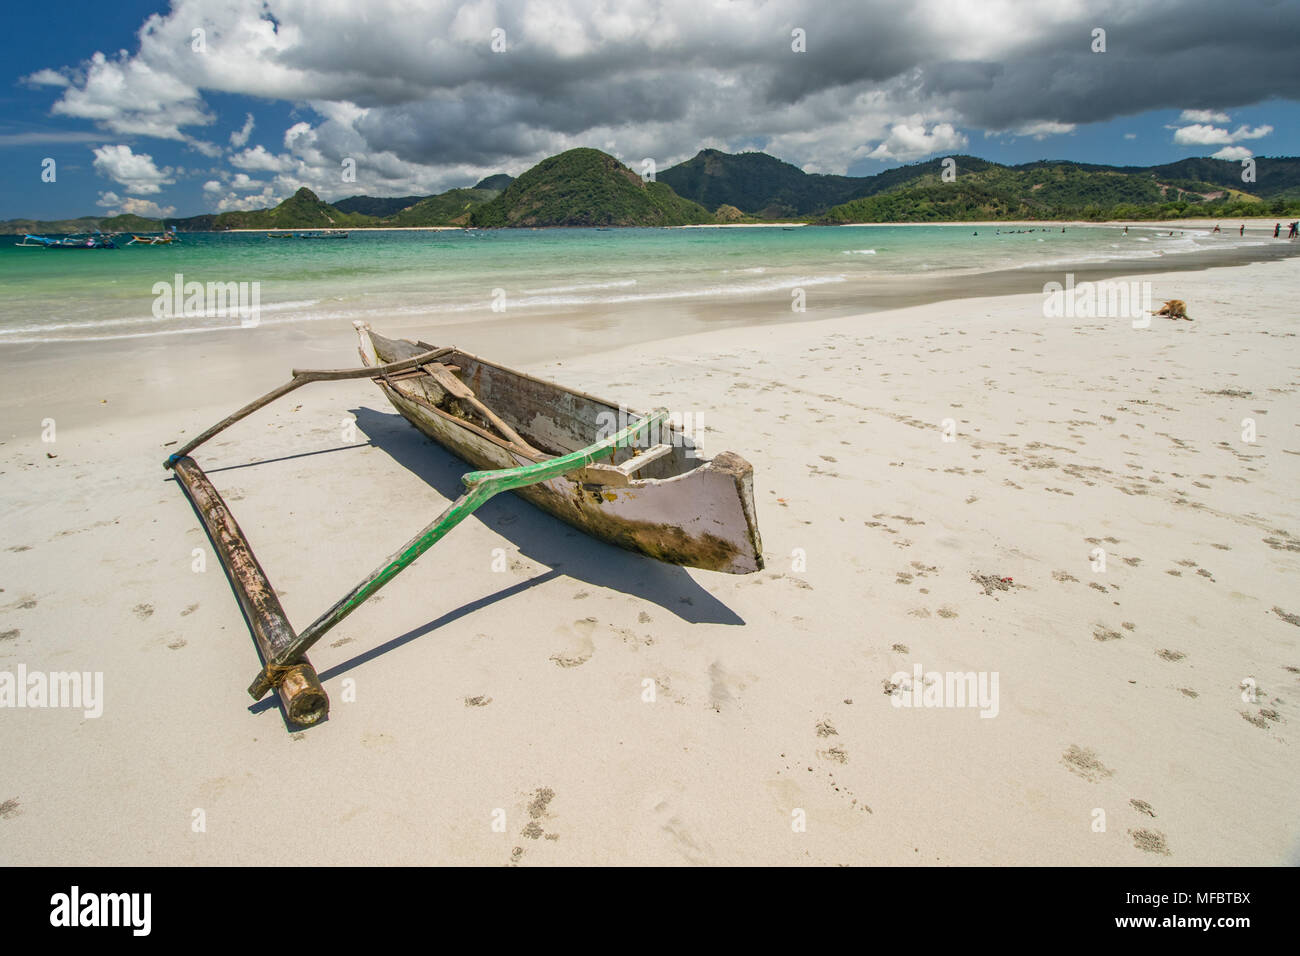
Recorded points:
(1175, 309)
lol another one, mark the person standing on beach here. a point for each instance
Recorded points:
(1242, 230)
(1216, 228)
(1277, 229)
(1292, 233)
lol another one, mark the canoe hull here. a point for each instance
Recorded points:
(702, 517)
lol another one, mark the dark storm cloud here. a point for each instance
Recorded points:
(422, 81)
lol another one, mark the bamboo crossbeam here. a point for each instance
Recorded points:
(302, 377)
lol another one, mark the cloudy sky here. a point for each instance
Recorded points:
(207, 105)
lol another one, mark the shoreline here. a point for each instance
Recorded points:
(1196, 223)
(656, 319)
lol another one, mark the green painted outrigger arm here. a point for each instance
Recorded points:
(481, 486)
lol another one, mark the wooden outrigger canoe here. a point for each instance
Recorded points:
(628, 478)
(661, 499)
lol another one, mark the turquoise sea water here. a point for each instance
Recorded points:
(451, 276)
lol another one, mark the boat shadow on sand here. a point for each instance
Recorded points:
(535, 534)
(542, 538)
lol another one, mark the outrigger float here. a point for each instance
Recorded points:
(525, 435)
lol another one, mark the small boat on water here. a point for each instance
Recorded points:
(664, 501)
(166, 239)
(68, 242)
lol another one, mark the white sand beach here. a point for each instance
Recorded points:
(463, 696)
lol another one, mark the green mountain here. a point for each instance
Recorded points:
(762, 186)
(756, 183)
(585, 187)
(499, 182)
(302, 210)
(50, 227)
(1274, 176)
(1045, 190)
(379, 206)
(451, 208)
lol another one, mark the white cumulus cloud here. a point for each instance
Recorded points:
(135, 171)
(147, 208)
(907, 142)
(1233, 153)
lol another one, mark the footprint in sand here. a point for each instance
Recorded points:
(1150, 841)
(582, 646)
(1083, 761)
(537, 812)
(1261, 720)
(836, 754)
(143, 611)
(1172, 656)
(1141, 806)
(1289, 618)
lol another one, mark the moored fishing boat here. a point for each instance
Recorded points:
(166, 239)
(72, 243)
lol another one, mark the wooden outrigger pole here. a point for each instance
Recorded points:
(284, 663)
